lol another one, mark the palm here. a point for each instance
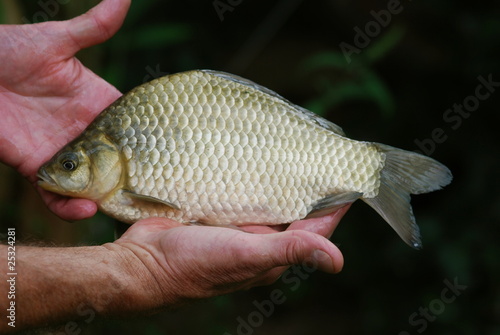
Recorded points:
(47, 96)
(55, 100)
(193, 262)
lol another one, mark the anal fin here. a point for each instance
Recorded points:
(331, 203)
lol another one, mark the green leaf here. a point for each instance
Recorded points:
(114, 73)
(380, 47)
(327, 59)
(377, 91)
(367, 87)
(334, 95)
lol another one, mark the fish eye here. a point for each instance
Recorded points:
(70, 162)
(68, 165)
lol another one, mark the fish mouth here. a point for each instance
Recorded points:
(46, 182)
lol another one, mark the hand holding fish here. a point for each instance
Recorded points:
(48, 97)
(159, 263)
(181, 260)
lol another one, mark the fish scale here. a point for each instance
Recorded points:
(212, 148)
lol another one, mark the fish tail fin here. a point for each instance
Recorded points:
(406, 173)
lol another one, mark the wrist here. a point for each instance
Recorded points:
(59, 284)
(132, 286)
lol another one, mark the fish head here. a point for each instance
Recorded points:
(86, 168)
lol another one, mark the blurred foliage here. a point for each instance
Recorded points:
(394, 91)
(362, 84)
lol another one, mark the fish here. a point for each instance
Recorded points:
(212, 148)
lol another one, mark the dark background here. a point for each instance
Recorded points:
(396, 90)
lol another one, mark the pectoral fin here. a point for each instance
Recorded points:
(331, 203)
(149, 199)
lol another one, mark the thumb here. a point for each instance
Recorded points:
(98, 24)
(305, 248)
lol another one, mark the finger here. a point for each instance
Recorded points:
(261, 229)
(98, 24)
(72, 209)
(302, 247)
(324, 225)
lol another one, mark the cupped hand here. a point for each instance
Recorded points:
(48, 97)
(194, 262)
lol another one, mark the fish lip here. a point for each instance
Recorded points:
(45, 178)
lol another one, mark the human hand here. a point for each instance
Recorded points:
(184, 263)
(159, 263)
(48, 97)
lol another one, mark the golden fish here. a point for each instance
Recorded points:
(212, 148)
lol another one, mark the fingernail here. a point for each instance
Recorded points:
(324, 261)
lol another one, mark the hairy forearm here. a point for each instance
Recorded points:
(57, 285)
